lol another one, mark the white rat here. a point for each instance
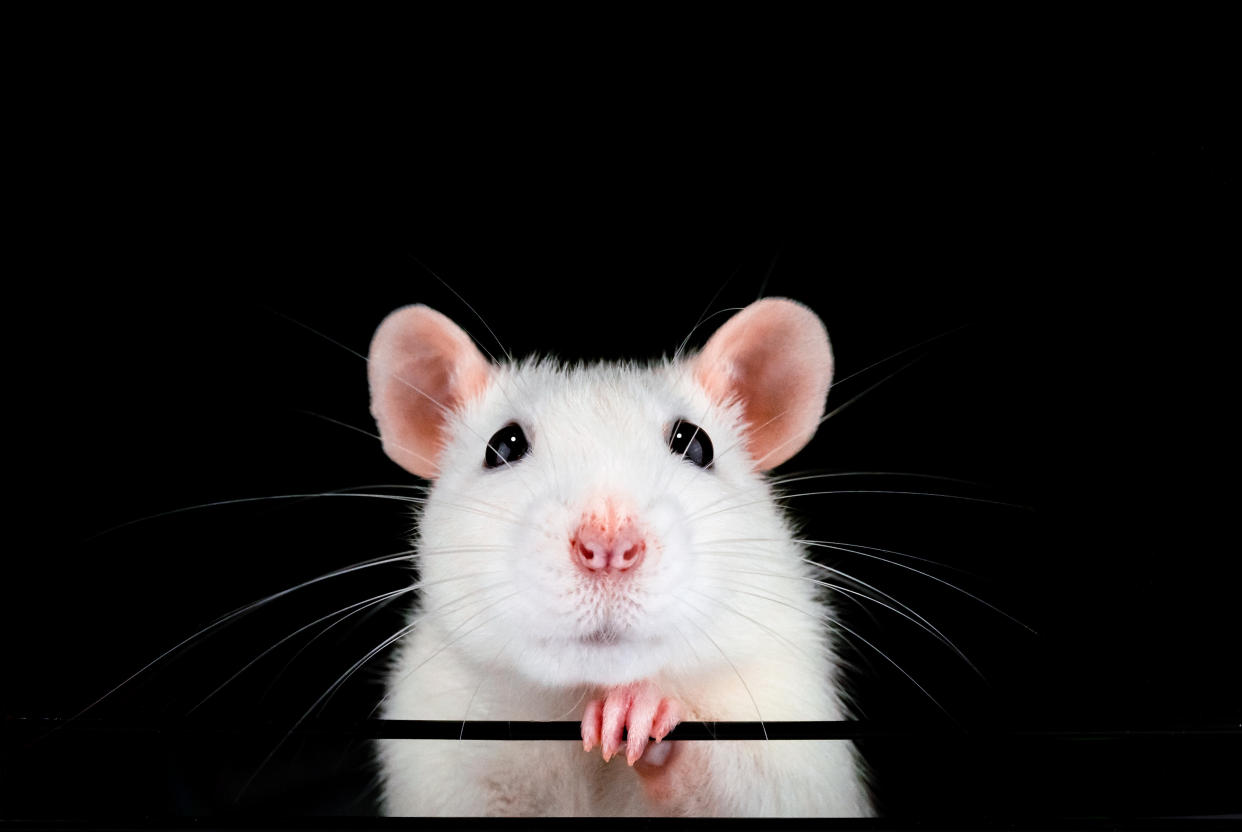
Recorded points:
(600, 543)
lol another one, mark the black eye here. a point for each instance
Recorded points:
(508, 445)
(691, 442)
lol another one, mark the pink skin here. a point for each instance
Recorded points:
(774, 357)
(607, 544)
(637, 708)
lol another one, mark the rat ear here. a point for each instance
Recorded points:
(422, 368)
(775, 359)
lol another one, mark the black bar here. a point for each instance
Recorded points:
(32, 727)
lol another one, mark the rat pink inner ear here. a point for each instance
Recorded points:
(774, 358)
(422, 368)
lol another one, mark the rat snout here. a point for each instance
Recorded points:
(608, 542)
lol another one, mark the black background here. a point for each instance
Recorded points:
(1058, 266)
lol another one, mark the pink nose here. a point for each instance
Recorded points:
(608, 546)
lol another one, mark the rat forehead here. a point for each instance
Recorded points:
(614, 394)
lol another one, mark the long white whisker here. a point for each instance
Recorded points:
(239, 501)
(483, 677)
(401, 681)
(803, 476)
(899, 353)
(450, 606)
(837, 623)
(446, 285)
(240, 611)
(853, 548)
(724, 541)
(572, 707)
(356, 429)
(913, 616)
(703, 317)
(306, 496)
(750, 432)
(448, 412)
(404, 631)
(837, 547)
(725, 656)
(699, 516)
(356, 608)
(754, 621)
(855, 398)
(351, 609)
(702, 320)
(276, 677)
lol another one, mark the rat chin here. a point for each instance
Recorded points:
(616, 660)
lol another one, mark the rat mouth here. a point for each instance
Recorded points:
(601, 638)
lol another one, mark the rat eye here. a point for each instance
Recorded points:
(507, 445)
(691, 442)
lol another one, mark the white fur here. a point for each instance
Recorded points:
(499, 626)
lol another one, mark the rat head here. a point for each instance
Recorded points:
(574, 526)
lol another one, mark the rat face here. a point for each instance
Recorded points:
(577, 513)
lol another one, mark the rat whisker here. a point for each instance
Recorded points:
(844, 575)
(272, 497)
(239, 501)
(447, 411)
(898, 554)
(474, 311)
(913, 616)
(393, 687)
(797, 437)
(900, 353)
(855, 398)
(702, 320)
(720, 541)
(461, 735)
(845, 491)
(851, 548)
(704, 317)
(802, 476)
(452, 605)
(457, 550)
(752, 620)
(501, 512)
(356, 607)
(364, 432)
(841, 548)
(835, 622)
(698, 661)
(573, 707)
(372, 610)
(681, 599)
(238, 613)
(763, 284)
(401, 633)
(750, 431)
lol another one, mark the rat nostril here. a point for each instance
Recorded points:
(585, 553)
(604, 549)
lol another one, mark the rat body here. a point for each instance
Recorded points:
(600, 543)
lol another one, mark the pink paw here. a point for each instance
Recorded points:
(640, 711)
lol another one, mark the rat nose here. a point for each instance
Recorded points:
(608, 545)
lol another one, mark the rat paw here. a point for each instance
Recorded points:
(638, 710)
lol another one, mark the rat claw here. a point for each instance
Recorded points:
(629, 715)
(591, 726)
(666, 719)
(642, 713)
(613, 724)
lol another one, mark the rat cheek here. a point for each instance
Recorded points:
(669, 522)
(537, 563)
